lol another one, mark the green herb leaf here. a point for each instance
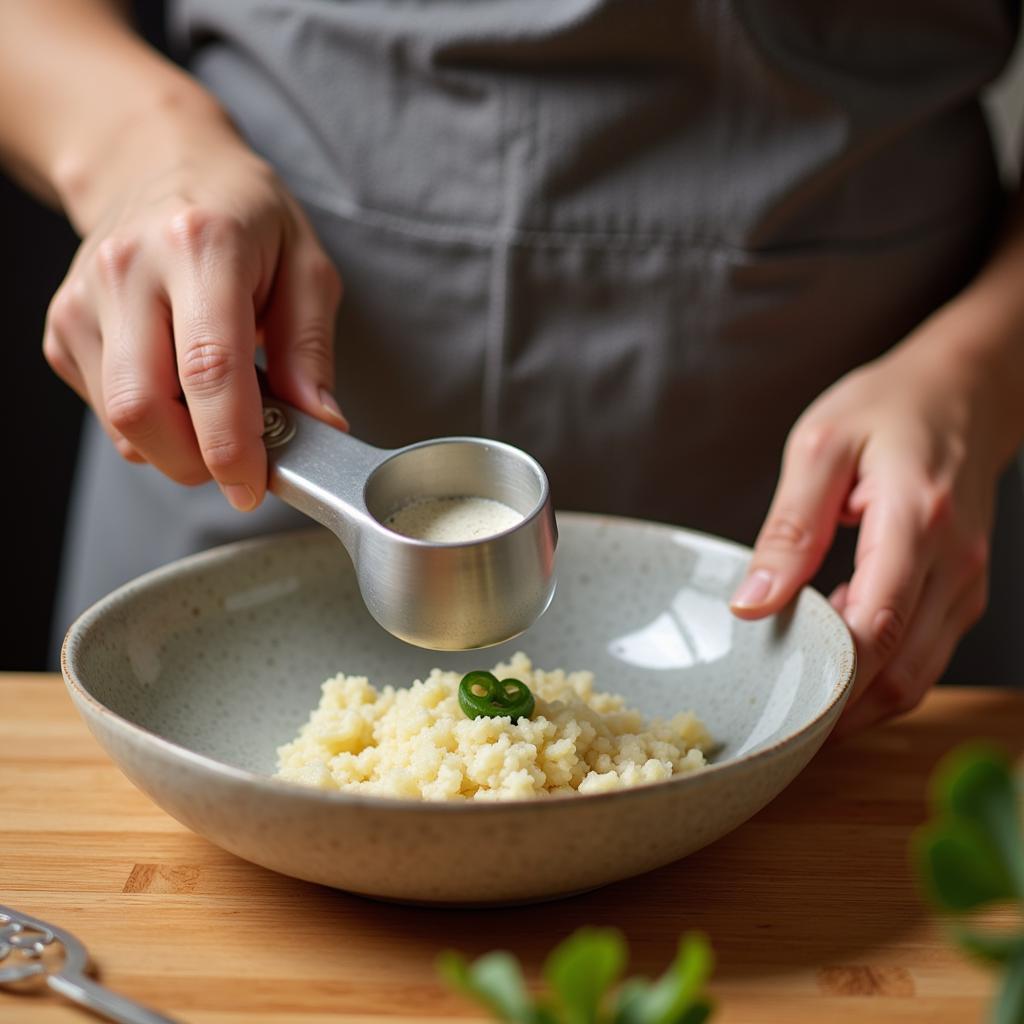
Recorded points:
(582, 969)
(968, 779)
(676, 997)
(989, 946)
(632, 1009)
(630, 1006)
(671, 996)
(1009, 1005)
(972, 853)
(697, 1013)
(975, 784)
(494, 980)
(960, 868)
(454, 971)
(580, 973)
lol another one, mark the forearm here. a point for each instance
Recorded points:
(77, 85)
(979, 335)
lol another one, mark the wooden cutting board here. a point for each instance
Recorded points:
(811, 906)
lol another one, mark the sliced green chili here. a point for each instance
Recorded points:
(482, 696)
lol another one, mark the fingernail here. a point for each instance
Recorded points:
(753, 590)
(241, 496)
(330, 403)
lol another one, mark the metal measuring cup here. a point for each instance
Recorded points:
(445, 597)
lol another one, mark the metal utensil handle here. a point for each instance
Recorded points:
(103, 1001)
(316, 468)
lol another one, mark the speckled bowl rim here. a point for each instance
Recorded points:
(92, 617)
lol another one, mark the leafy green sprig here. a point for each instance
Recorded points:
(582, 975)
(971, 854)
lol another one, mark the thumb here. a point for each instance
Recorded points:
(298, 326)
(818, 470)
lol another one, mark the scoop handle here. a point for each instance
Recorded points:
(316, 468)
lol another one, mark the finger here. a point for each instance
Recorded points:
(817, 474)
(839, 596)
(90, 360)
(70, 325)
(902, 690)
(299, 332)
(141, 393)
(211, 288)
(64, 364)
(72, 346)
(899, 685)
(888, 578)
(949, 594)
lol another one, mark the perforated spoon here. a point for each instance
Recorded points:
(445, 597)
(25, 941)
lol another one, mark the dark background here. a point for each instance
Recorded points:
(43, 415)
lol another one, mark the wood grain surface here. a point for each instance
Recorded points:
(811, 907)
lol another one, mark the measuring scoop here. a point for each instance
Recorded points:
(442, 596)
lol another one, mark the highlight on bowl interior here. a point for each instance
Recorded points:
(516, 732)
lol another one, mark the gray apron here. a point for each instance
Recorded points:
(634, 237)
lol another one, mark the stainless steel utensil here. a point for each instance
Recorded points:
(28, 942)
(445, 597)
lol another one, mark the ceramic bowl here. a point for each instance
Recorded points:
(192, 675)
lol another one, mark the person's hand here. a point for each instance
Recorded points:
(193, 254)
(907, 448)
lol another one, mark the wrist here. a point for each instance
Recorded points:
(975, 346)
(102, 102)
(162, 123)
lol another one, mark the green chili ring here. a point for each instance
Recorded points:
(482, 696)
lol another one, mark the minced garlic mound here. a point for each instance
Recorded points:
(417, 743)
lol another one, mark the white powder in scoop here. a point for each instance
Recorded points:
(452, 520)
